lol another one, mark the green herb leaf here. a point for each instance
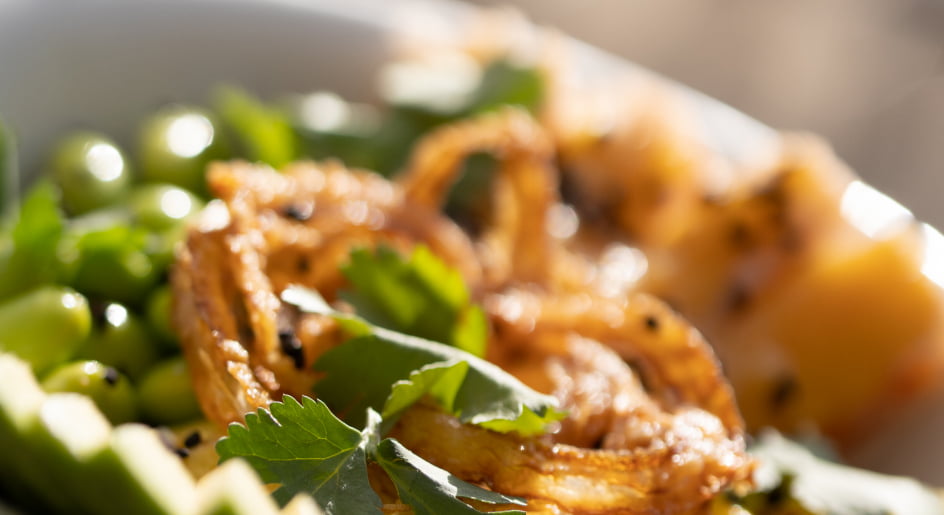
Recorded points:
(502, 83)
(305, 448)
(430, 490)
(378, 359)
(505, 83)
(28, 257)
(263, 132)
(791, 474)
(440, 381)
(420, 296)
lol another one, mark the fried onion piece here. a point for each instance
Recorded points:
(516, 247)
(642, 329)
(685, 409)
(662, 438)
(677, 364)
(295, 227)
(687, 459)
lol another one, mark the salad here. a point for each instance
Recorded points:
(487, 294)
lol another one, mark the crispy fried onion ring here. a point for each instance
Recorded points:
(652, 425)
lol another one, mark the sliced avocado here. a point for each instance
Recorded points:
(67, 433)
(64, 457)
(233, 488)
(143, 475)
(23, 480)
(61, 455)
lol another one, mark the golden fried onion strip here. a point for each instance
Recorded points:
(525, 188)
(633, 452)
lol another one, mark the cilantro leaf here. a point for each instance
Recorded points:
(440, 381)
(378, 358)
(430, 490)
(819, 486)
(505, 83)
(305, 448)
(262, 132)
(420, 296)
(28, 258)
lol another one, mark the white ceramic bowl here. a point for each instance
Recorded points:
(104, 64)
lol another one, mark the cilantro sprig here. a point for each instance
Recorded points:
(420, 296)
(392, 370)
(375, 376)
(303, 447)
(28, 252)
(791, 478)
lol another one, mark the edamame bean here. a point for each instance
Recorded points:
(44, 326)
(166, 394)
(122, 340)
(165, 210)
(90, 171)
(161, 207)
(106, 386)
(158, 313)
(111, 262)
(176, 144)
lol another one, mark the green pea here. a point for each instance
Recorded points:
(106, 386)
(165, 210)
(122, 340)
(176, 144)
(90, 171)
(166, 393)
(158, 311)
(111, 261)
(44, 326)
(161, 207)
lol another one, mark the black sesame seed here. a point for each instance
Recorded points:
(111, 376)
(652, 323)
(784, 390)
(183, 453)
(298, 212)
(193, 439)
(292, 347)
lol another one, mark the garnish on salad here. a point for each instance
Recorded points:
(518, 293)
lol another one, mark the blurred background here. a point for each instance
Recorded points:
(866, 74)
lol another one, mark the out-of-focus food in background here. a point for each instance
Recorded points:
(866, 75)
